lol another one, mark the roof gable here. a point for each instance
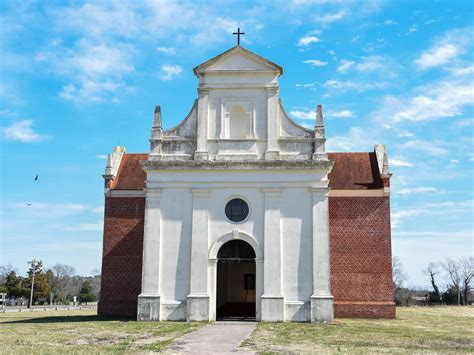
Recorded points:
(239, 59)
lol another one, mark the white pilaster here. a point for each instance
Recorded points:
(322, 309)
(149, 298)
(273, 125)
(198, 298)
(202, 121)
(272, 298)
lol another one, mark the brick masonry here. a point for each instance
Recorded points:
(361, 270)
(361, 257)
(122, 256)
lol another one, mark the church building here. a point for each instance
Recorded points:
(239, 212)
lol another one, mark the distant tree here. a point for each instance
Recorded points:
(61, 281)
(431, 271)
(16, 285)
(450, 296)
(4, 271)
(467, 274)
(42, 288)
(399, 294)
(453, 270)
(85, 294)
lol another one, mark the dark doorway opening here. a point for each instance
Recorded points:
(236, 281)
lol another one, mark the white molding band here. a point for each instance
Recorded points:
(360, 193)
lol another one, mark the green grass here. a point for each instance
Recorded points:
(416, 330)
(84, 332)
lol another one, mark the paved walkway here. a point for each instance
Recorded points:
(215, 338)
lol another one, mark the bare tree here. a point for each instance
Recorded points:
(431, 271)
(467, 273)
(4, 271)
(453, 270)
(398, 277)
(62, 275)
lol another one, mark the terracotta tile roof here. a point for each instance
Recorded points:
(354, 171)
(130, 175)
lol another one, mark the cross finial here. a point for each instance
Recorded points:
(238, 33)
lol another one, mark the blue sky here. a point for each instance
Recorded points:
(78, 78)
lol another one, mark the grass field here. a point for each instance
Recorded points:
(84, 332)
(431, 330)
(439, 330)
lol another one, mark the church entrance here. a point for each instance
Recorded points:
(236, 281)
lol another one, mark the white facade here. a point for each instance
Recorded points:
(237, 142)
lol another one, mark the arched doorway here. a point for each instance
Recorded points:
(236, 281)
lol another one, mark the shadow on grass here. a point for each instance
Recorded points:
(68, 319)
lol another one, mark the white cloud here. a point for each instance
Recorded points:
(98, 226)
(51, 210)
(303, 115)
(446, 49)
(330, 18)
(169, 72)
(412, 29)
(309, 85)
(345, 65)
(437, 56)
(443, 99)
(102, 156)
(340, 114)
(307, 40)
(357, 139)
(390, 22)
(370, 64)
(315, 63)
(341, 85)
(416, 190)
(401, 163)
(430, 147)
(22, 131)
(166, 50)
(366, 64)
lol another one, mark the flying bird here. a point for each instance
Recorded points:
(28, 204)
(36, 177)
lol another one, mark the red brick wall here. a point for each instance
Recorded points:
(361, 257)
(122, 256)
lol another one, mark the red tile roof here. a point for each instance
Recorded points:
(351, 171)
(354, 171)
(130, 175)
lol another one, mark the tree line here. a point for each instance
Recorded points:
(450, 282)
(57, 284)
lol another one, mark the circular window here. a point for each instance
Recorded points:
(236, 210)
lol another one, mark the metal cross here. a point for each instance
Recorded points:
(238, 33)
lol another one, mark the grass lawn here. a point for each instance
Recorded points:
(84, 332)
(417, 329)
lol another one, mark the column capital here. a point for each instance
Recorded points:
(153, 192)
(203, 91)
(272, 89)
(272, 192)
(200, 193)
(320, 191)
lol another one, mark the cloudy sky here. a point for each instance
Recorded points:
(78, 78)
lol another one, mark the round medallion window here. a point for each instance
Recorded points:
(236, 210)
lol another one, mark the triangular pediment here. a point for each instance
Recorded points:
(238, 59)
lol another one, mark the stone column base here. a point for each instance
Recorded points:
(148, 307)
(198, 307)
(272, 308)
(201, 155)
(322, 309)
(272, 155)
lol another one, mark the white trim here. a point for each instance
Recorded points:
(125, 193)
(360, 193)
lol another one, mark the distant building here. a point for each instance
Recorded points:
(239, 212)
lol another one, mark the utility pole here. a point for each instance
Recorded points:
(34, 264)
